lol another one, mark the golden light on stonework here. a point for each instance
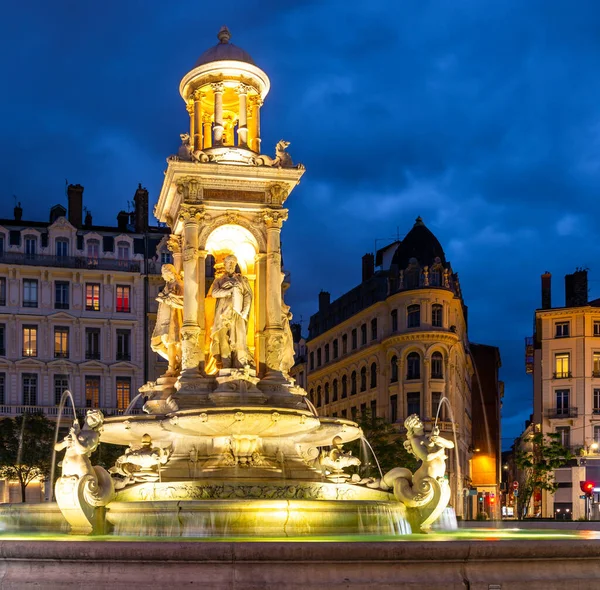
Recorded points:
(233, 239)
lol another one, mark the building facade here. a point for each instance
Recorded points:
(397, 345)
(564, 359)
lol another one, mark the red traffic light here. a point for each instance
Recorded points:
(587, 487)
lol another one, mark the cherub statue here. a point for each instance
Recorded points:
(336, 460)
(166, 338)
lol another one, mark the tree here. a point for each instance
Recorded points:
(26, 449)
(536, 459)
(387, 444)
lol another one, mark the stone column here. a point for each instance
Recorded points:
(218, 89)
(174, 246)
(189, 107)
(206, 124)
(273, 220)
(242, 91)
(201, 294)
(190, 331)
(197, 137)
(256, 103)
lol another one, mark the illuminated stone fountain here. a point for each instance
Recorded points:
(229, 444)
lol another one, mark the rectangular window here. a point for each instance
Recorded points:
(565, 435)
(2, 290)
(62, 248)
(92, 297)
(363, 334)
(374, 329)
(436, 315)
(30, 385)
(123, 298)
(354, 339)
(353, 412)
(92, 343)
(318, 357)
(394, 408)
(61, 295)
(436, 399)
(30, 247)
(123, 392)
(1, 244)
(335, 348)
(123, 345)
(562, 365)
(61, 384)
(345, 344)
(561, 329)
(413, 316)
(327, 353)
(61, 342)
(596, 364)
(597, 435)
(344, 413)
(413, 403)
(562, 402)
(596, 408)
(30, 293)
(373, 410)
(312, 360)
(394, 316)
(596, 328)
(2, 339)
(29, 340)
(2, 389)
(166, 258)
(92, 392)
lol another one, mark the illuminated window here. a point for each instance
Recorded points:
(61, 295)
(373, 373)
(394, 316)
(62, 247)
(562, 368)
(394, 369)
(413, 316)
(413, 366)
(437, 365)
(92, 297)
(123, 392)
(30, 293)
(123, 345)
(30, 385)
(596, 364)
(413, 402)
(436, 315)
(61, 342)
(92, 392)
(61, 384)
(561, 329)
(123, 298)
(29, 340)
(92, 343)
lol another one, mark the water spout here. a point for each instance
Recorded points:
(445, 400)
(66, 394)
(132, 404)
(364, 440)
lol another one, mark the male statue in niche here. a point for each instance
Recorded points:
(228, 335)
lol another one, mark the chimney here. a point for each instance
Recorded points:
(296, 332)
(122, 220)
(324, 300)
(368, 266)
(141, 209)
(18, 211)
(75, 196)
(88, 219)
(546, 290)
(576, 289)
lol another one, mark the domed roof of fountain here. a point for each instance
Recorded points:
(419, 243)
(224, 51)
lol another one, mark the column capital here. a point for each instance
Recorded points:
(206, 118)
(202, 253)
(174, 244)
(191, 253)
(255, 100)
(243, 88)
(190, 189)
(273, 218)
(199, 94)
(189, 107)
(191, 214)
(277, 193)
(217, 87)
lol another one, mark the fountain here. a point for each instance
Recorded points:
(229, 447)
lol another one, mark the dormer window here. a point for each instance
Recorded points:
(123, 250)
(62, 247)
(30, 246)
(93, 250)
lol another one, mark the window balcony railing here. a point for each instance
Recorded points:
(47, 260)
(92, 355)
(437, 375)
(558, 413)
(595, 373)
(60, 354)
(61, 305)
(562, 375)
(52, 411)
(123, 356)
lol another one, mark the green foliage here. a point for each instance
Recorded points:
(30, 458)
(536, 461)
(106, 455)
(387, 444)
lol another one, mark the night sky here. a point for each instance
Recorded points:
(481, 116)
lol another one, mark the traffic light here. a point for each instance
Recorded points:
(587, 487)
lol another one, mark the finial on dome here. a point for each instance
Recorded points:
(419, 221)
(224, 35)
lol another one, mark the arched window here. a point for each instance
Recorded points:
(437, 365)
(373, 375)
(413, 316)
(62, 247)
(335, 390)
(394, 370)
(394, 317)
(311, 396)
(344, 386)
(413, 366)
(363, 379)
(353, 383)
(319, 396)
(436, 315)
(326, 393)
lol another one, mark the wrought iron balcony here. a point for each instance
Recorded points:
(92, 355)
(595, 373)
(52, 411)
(61, 354)
(46, 260)
(123, 356)
(558, 413)
(562, 375)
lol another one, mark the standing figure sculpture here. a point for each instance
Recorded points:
(166, 338)
(228, 335)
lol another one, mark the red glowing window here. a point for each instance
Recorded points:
(123, 298)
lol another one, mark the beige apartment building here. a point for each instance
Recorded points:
(396, 345)
(564, 358)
